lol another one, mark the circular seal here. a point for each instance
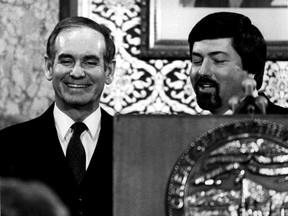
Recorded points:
(238, 168)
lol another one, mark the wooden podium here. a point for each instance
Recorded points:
(146, 148)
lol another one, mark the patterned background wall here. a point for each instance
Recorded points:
(140, 86)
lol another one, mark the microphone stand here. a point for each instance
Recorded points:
(249, 104)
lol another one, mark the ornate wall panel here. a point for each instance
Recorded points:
(140, 86)
(275, 82)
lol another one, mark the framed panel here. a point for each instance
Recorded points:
(166, 24)
(68, 8)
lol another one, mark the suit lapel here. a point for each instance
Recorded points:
(103, 150)
(52, 140)
(56, 165)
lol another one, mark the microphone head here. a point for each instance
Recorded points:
(233, 103)
(262, 103)
(248, 86)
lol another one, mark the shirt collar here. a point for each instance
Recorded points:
(93, 122)
(63, 122)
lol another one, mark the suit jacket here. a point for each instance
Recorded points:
(31, 151)
(273, 108)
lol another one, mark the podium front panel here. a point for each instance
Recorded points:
(146, 148)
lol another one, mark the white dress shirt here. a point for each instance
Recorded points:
(89, 137)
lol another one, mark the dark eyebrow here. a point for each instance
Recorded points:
(64, 55)
(218, 53)
(94, 57)
(196, 54)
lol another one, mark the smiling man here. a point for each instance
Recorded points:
(226, 49)
(69, 147)
(78, 71)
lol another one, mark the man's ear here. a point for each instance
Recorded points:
(109, 73)
(48, 68)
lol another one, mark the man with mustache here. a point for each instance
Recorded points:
(69, 147)
(226, 49)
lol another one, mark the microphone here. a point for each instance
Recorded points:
(250, 104)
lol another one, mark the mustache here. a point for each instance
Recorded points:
(205, 79)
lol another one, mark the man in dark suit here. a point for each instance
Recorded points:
(226, 49)
(79, 62)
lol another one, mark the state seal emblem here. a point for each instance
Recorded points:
(238, 168)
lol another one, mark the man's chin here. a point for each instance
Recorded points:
(77, 103)
(206, 106)
(210, 104)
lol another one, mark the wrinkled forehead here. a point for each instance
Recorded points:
(213, 46)
(80, 34)
(80, 40)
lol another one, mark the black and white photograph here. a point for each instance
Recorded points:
(144, 108)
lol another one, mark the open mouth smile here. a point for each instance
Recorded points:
(206, 88)
(70, 85)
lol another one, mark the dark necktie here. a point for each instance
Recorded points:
(76, 153)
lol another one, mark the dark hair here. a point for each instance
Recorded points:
(29, 198)
(247, 40)
(78, 22)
